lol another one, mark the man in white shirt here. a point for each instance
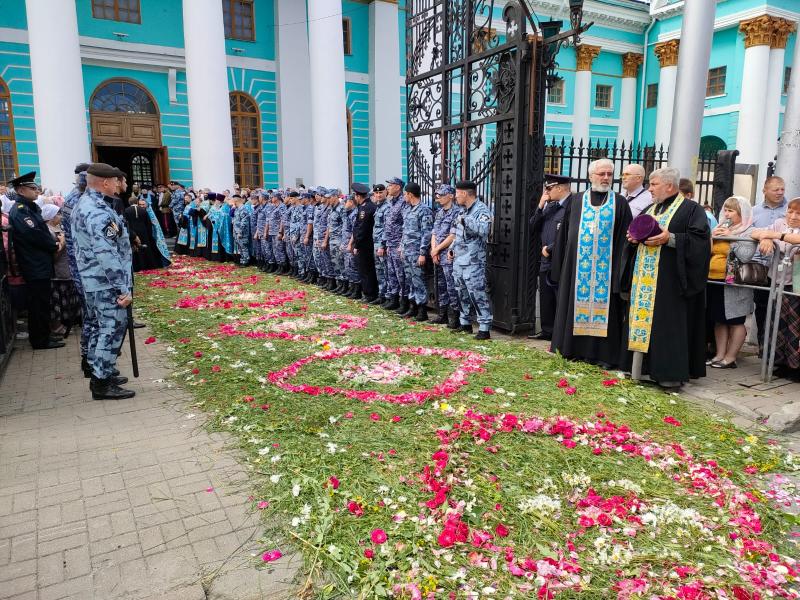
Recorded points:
(633, 189)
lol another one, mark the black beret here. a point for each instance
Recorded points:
(413, 188)
(178, 183)
(360, 189)
(103, 170)
(294, 195)
(23, 179)
(378, 187)
(235, 196)
(466, 185)
(211, 196)
(81, 167)
(120, 173)
(556, 179)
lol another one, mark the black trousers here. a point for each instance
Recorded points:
(365, 259)
(761, 299)
(547, 303)
(39, 291)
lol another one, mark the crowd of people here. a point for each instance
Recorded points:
(645, 273)
(653, 272)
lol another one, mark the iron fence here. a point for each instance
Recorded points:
(572, 159)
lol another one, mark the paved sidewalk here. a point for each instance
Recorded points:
(106, 500)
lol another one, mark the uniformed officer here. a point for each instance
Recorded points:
(255, 218)
(441, 239)
(34, 248)
(66, 225)
(269, 265)
(417, 225)
(308, 238)
(335, 222)
(363, 241)
(545, 224)
(468, 253)
(103, 255)
(276, 239)
(351, 274)
(392, 237)
(379, 200)
(322, 257)
(241, 229)
(176, 203)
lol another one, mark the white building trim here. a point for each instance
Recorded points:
(734, 19)
(615, 17)
(353, 77)
(560, 118)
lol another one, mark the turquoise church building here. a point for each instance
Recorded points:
(286, 112)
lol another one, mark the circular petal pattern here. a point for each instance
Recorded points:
(240, 299)
(470, 362)
(285, 325)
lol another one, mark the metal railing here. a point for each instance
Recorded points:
(777, 291)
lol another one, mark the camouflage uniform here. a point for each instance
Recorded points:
(70, 202)
(335, 221)
(471, 229)
(176, 206)
(254, 217)
(308, 249)
(275, 223)
(377, 236)
(322, 257)
(241, 232)
(285, 221)
(297, 231)
(103, 256)
(392, 237)
(417, 224)
(446, 294)
(350, 269)
(264, 221)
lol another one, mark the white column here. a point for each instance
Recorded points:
(753, 101)
(208, 99)
(59, 104)
(667, 53)
(697, 32)
(582, 111)
(328, 103)
(294, 92)
(384, 91)
(627, 106)
(789, 145)
(772, 113)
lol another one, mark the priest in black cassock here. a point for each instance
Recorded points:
(589, 268)
(668, 283)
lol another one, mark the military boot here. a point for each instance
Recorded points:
(377, 300)
(442, 318)
(391, 303)
(402, 307)
(343, 288)
(351, 291)
(106, 389)
(483, 335)
(412, 310)
(355, 294)
(452, 319)
(422, 313)
(463, 329)
(87, 370)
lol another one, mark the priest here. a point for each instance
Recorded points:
(671, 243)
(589, 269)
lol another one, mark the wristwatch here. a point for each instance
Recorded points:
(783, 235)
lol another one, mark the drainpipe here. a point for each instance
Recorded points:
(643, 90)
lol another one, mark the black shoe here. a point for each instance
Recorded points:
(105, 389)
(392, 303)
(463, 329)
(344, 288)
(50, 345)
(482, 335)
(376, 300)
(540, 336)
(422, 314)
(355, 292)
(118, 380)
(56, 337)
(87, 370)
(453, 321)
(138, 325)
(412, 310)
(402, 307)
(441, 319)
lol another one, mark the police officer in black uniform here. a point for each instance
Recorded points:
(545, 224)
(34, 248)
(363, 245)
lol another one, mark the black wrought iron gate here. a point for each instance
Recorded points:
(475, 104)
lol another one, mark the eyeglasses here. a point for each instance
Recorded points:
(624, 175)
(31, 186)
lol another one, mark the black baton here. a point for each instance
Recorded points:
(132, 340)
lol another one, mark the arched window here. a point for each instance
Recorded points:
(710, 145)
(123, 95)
(8, 150)
(141, 170)
(246, 129)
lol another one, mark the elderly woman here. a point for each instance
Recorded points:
(786, 232)
(727, 306)
(65, 304)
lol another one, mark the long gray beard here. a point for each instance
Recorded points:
(600, 187)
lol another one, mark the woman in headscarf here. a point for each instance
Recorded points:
(727, 306)
(65, 305)
(786, 233)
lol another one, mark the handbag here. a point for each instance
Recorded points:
(750, 273)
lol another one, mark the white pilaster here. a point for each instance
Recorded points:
(328, 102)
(582, 111)
(627, 106)
(384, 92)
(208, 98)
(752, 104)
(294, 92)
(789, 145)
(772, 113)
(59, 105)
(666, 104)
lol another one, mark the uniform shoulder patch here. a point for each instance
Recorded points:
(111, 230)
(485, 218)
(29, 222)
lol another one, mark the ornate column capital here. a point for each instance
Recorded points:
(586, 55)
(630, 64)
(780, 33)
(758, 31)
(667, 53)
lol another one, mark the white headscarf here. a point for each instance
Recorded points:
(7, 204)
(49, 211)
(746, 210)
